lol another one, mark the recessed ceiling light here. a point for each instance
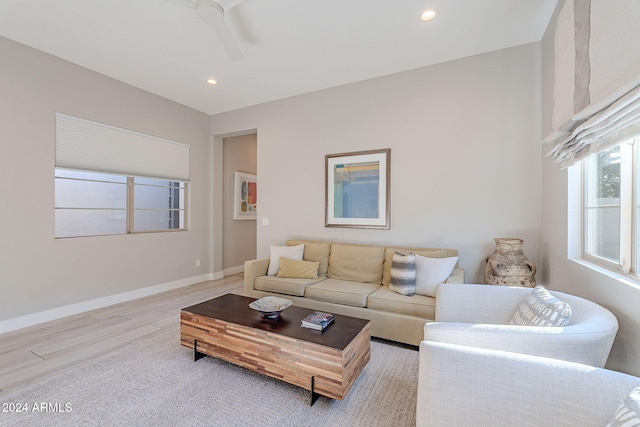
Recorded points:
(212, 81)
(428, 14)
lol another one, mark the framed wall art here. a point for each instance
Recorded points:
(245, 196)
(357, 189)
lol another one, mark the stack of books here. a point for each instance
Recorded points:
(317, 320)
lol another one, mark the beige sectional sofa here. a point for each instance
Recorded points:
(353, 280)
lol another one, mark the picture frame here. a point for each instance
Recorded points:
(245, 196)
(358, 188)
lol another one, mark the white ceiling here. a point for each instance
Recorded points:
(290, 47)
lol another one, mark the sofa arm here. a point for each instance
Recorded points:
(465, 386)
(253, 269)
(457, 276)
(579, 343)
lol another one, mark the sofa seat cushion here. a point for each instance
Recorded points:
(341, 292)
(384, 299)
(286, 286)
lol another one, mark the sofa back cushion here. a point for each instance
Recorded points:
(356, 263)
(427, 252)
(315, 252)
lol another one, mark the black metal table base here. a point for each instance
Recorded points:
(314, 396)
(196, 354)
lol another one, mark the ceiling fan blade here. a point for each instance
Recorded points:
(212, 13)
(229, 42)
(229, 4)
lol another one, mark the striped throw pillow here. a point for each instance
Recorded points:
(628, 413)
(403, 274)
(540, 308)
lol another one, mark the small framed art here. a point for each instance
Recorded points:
(245, 196)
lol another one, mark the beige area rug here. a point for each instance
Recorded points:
(155, 382)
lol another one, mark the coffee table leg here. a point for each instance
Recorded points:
(314, 396)
(196, 354)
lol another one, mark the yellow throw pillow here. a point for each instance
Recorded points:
(295, 269)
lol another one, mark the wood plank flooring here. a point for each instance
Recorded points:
(30, 353)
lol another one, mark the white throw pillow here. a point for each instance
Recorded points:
(540, 308)
(628, 413)
(291, 252)
(430, 272)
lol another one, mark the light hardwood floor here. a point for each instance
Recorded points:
(31, 353)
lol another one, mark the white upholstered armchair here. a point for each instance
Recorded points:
(478, 316)
(469, 386)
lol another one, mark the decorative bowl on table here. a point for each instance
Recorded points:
(270, 307)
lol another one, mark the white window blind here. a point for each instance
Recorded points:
(86, 145)
(598, 127)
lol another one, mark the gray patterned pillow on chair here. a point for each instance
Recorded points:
(540, 308)
(628, 413)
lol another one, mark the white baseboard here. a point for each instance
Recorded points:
(81, 307)
(233, 270)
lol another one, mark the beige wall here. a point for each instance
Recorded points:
(566, 275)
(239, 236)
(38, 272)
(465, 155)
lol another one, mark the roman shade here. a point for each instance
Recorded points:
(90, 146)
(597, 87)
(598, 127)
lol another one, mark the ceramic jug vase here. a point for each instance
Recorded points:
(508, 266)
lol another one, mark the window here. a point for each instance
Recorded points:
(158, 205)
(610, 208)
(110, 180)
(93, 204)
(90, 204)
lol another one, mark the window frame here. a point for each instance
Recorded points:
(629, 240)
(131, 213)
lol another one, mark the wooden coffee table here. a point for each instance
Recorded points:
(323, 362)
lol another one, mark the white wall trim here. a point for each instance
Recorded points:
(233, 270)
(82, 307)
